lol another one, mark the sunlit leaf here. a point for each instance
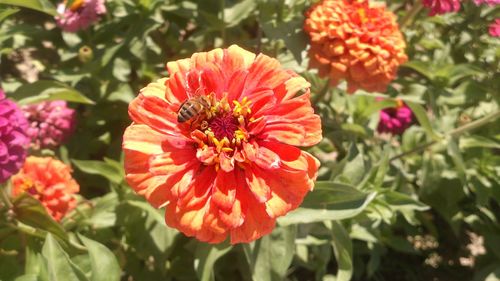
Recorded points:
(101, 260)
(39, 5)
(270, 257)
(107, 170)
(329, 201)
(46, 90)
(30, 211)
(205, 257)
(60, 267)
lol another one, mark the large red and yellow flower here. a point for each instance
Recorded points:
(234, 167)
(48, 180)
(357, 41)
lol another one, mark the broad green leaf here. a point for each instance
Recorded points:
(28, 277)
(145, 228)
(109, 54)
(238, 12)
(403, 201)
(477, 141)
(34, 262)
(329, 201)
(456, 156)
(355, 169)
(377, 106)
(101, 260)
(60, 267)
(270, 256)
(40, 5)
(421, 67)
(205, 257)
(342, 248)
(103, 212)
(31, 212)
(107, 170)
(422, 118)
(381, 169)
(47, 90)
(7, 12)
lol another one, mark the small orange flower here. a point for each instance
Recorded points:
(357, 41)
(48, 180)
(233, 167)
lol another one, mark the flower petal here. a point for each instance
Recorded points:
(257, 222)
(155, 112)
(255, 179)
(224, 192)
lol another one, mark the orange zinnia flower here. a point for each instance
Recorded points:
(357, 41)
(48, 180)
(227, 165)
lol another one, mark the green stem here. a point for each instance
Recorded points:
(5, 197)
(408, 18)
(322, 93)
(475, 124)
(453, 133)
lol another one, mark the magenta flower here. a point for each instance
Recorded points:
(50, 123)
(395, 120)
(80, 14)
(441, 6)
(13, 138)
(495, 28)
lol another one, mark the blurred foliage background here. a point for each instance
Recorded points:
(421, 206)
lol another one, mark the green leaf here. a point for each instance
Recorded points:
(60, 267)
(205, 257)
(105, 169)
(377, 106)
(145, 228)
(422, 118)
(421, 67)
(101, 260)
(342, 248)
(102, 213)
(355, 169)
(34, 262)
(329, 201)
(7, 12)
(399, 200)
(477, 141)
(238, 12)
(40, 5)
(31, 212)
(270, 256)
(456, 156)
(48, 90)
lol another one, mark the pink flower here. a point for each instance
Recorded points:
(442, 6)
(13, 139)
(51, 123)
(395, 120)
(495, 28)
(80, 15)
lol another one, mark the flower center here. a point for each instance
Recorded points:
(224, 126)
(221, 127)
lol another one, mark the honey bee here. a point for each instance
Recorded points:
(192, 108)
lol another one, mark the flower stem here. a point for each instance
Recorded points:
(408, 18)
(4, 196)
(453, 133)
(322, 93)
